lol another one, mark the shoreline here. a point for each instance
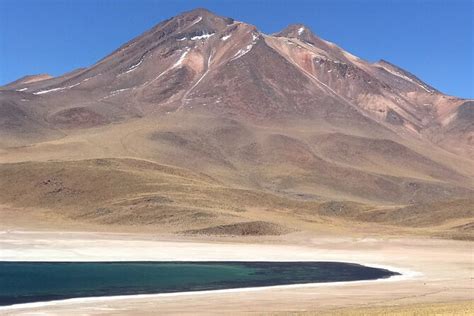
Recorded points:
(432, 271)
(404, 274)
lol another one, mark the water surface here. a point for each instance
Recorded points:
(22, 282)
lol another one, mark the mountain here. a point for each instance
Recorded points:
(284, 119)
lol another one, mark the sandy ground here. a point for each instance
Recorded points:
(435, 271)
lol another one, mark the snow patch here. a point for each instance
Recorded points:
(72, 86)
(301, 30)
(181, 58)
(57, 89)
(118, 91)
(133, 67)
(247, 49)
(199, 19)
(226, 37)
(22, 89)
(203, 36)
(48, 91)
(176, 64)
(113, 93)
(184, 99)
(202, 77)
(242, 52)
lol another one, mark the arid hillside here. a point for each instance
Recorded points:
(205, 125)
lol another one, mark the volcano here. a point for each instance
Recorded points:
(204, 121)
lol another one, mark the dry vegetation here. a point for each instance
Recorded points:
(211, 175)
(136, 194)
(463, 308)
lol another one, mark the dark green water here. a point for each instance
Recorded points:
(22, 282)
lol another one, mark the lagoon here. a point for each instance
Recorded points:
(24, 282)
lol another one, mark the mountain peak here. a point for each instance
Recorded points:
(304, 33)
(298, 30)
(205, 15)
(199, 11)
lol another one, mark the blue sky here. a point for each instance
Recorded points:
(433, 39)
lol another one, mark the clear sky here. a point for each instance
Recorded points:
(433, 39)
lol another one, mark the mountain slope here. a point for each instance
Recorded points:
(287, 115)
